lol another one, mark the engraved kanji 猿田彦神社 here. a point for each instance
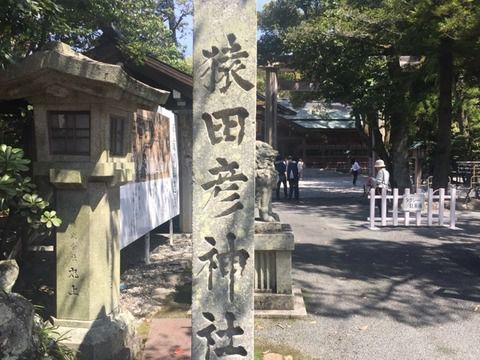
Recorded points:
(226, 125)
(224, 335)
(224, 261)
(225, 188)
(224, 64)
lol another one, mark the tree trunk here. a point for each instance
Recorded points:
(398, 115)
(379, 143)
(399, 139)
(445, 72)
(172, 21)
(367, 126)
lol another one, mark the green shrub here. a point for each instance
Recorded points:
(24, 215)
(50, 343)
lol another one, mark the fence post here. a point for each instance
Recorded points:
(395, 207)
(453, 207)
(441, 204)
(372, 209)
(406, 213)
(384, 206)
(429, 207)
(418, 214)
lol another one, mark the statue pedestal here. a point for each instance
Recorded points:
(274, 243)
(274, 294)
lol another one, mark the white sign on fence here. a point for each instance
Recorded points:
(392, 213)
(414, 202)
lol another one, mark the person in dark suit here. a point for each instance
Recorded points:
(292, 176)
(281, 167)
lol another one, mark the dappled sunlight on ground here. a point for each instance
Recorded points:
(397, 293)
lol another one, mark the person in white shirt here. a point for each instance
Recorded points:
(301, 168)
(382, 180)
(355, 170)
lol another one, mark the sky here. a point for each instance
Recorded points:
(187, 40)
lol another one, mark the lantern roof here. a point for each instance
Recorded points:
(58, 70)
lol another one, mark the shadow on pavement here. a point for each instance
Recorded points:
(419, 276)
(408, 277)
(353, 208)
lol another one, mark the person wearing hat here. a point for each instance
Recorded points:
(382, 180)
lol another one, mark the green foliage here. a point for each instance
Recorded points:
(277, 18)
(298, 99)
(466, 129)
(14, 123)
(23, 213)
(23, 26)
(50, 342)
(351, 49)
(174, 13)
(26, 25)
(12, 164)
(351, 52)
(143, 31)
(12, 160)
(49, 218)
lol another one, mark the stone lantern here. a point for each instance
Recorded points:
(83, 118)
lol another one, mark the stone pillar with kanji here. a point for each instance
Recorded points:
(223, 178)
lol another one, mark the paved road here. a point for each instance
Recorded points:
(404, 293)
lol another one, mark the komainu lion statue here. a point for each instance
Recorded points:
(265, 181)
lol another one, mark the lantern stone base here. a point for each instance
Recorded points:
(111, 338)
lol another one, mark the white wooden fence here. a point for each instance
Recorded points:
(420, 209)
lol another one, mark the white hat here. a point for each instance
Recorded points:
(379, 164)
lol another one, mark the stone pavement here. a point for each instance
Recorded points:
(169, 340)
(392, 294)
(318, 183)
(399, 293)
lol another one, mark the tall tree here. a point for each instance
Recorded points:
(352, 49)
(174, 14)
(25, 25)
(276, 18)
(448, 31)
(353, 53)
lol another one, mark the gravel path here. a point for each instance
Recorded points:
(149, 289)
(403, 293)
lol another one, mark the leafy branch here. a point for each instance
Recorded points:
(24, 215)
